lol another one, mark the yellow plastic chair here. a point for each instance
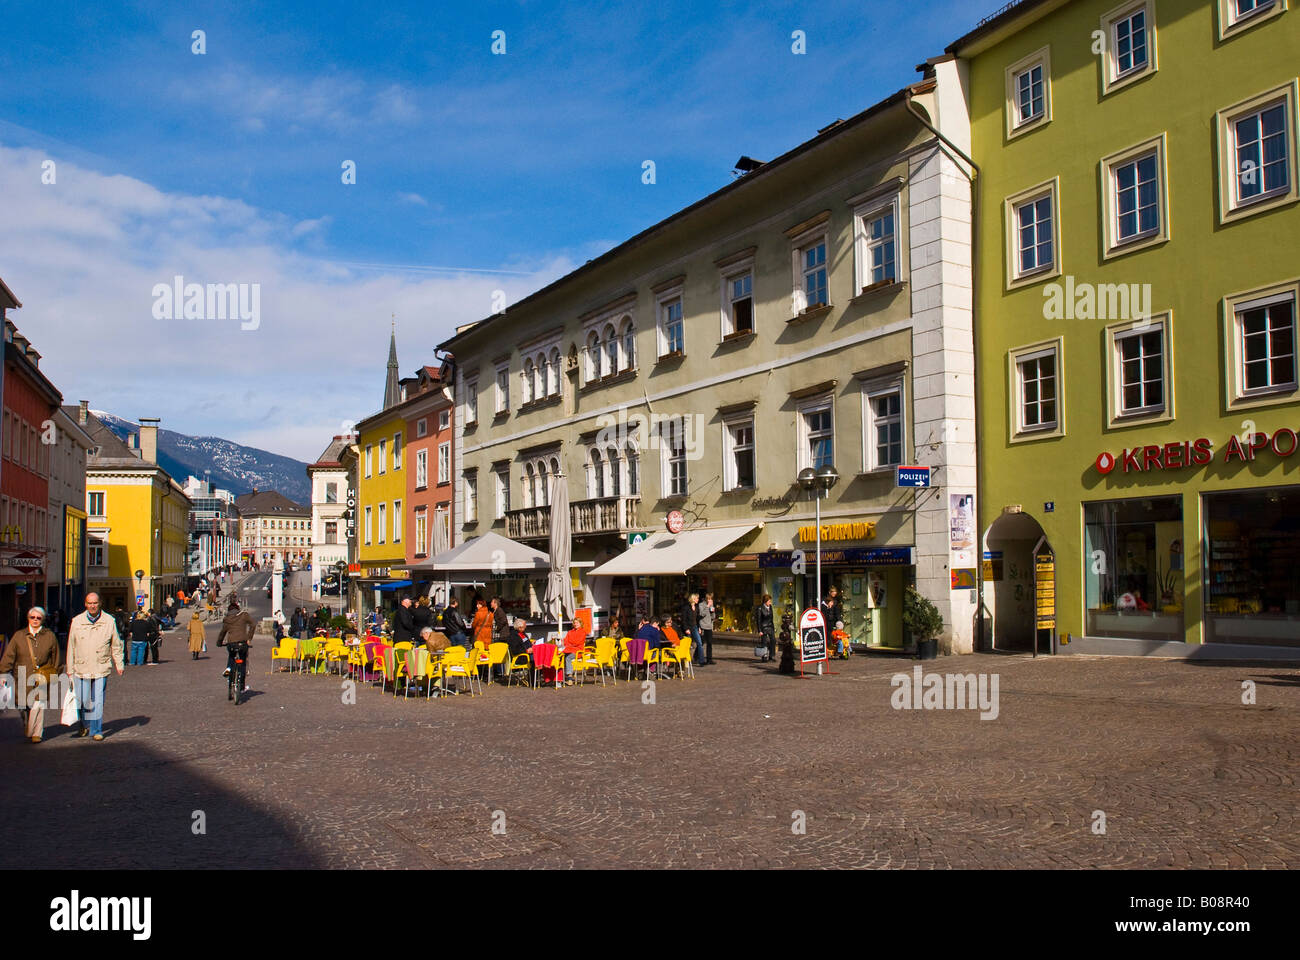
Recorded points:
(456, 663)
(603, 659)
(654, 657)
(681, 655)
(286, 652)
(336, 652)
(522, 662)
(497, 654)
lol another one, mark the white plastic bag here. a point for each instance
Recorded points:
(69, 706)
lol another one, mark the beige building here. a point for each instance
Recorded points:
(270, 525)
(814, 312)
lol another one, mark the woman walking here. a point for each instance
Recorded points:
(196, 635)
(33, 652)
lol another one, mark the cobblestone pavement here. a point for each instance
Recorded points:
(712, 774)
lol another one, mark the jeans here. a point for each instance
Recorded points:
(458, 639)
(706, 638)
(90, 703)
(697, 647)
(770, 639)
(137, 653)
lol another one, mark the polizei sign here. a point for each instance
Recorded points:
(1197, 453)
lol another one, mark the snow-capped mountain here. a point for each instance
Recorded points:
(234, 467)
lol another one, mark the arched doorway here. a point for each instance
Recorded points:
(1010, 544)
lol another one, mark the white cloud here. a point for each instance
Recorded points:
(84, 254)
(413, 198)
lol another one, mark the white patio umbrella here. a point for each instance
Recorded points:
(559, 587)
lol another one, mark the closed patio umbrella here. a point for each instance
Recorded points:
(559, 586)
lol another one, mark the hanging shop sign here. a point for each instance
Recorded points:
(864, 530)
(675, 521)
(634, 538)
(1178, 455)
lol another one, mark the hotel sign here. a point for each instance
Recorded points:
(865, 530)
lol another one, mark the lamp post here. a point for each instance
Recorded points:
(342, 567)
(820, 480)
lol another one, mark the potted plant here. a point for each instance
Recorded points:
(924, 622)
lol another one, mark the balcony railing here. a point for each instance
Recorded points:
(601, 515)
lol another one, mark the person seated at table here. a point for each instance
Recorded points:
(649, 632)
(671, 637)
(518, 639)
(574, 643)
(434, 640)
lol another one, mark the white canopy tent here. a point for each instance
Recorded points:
(667, 554)
(489, 553)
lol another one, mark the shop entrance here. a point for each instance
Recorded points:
(1009, 546)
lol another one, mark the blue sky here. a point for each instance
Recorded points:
(473, 171)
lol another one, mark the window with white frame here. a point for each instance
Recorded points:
(1257, 153)
(1033, 235)
(1036, 394)
(471, 497)
(738, 303)
(444, 462)
(383, 522)
(816, 432)
(1265, 331)
(633, 460)
(738, 454)
(397, 521)
(812, 257)
(95, 503)
(672, 432)
(383, 457)
(397, 451)
(595, 475)
(421, 533)
(593, 356)
(530, 486)
(1135, 200)
(885, 446)
(1237, 16)
(421, 427)
(1140, 370)
(1028, 98)
(614, 466)
(609, 354)
(627, 334)
(471, 401)
(96, 554)
(369, 526)
(673, 331)
(421, 469)
(369, 449)
(442, 522)
(876, 247)
(502, 478)
(444, 419)
(539, 377)
(553, 372)
(1130, 32)
(503, 389)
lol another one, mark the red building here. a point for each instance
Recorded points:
(427, 411)
(29, 405)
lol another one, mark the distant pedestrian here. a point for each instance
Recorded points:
(33, 652)
(196, 635)
(705, 611)
(404, 623)
(765, 622)
(94, 648)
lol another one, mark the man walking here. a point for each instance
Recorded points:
(94, 648)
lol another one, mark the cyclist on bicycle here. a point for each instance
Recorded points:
(236, 629)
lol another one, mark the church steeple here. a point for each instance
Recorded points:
(392, 389)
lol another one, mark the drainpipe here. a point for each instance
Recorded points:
(973, 176)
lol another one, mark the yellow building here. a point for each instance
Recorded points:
(137, 526)
(381, 488)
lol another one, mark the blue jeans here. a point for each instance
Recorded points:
(90, 703)
(697, 647)
(137, 653)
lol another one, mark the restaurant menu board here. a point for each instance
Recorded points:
(1045, 591)
(812, 636)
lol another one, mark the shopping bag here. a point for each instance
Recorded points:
(69, 707)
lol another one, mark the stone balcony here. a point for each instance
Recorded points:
(614, 515)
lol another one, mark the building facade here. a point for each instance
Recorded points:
(137, 524)
(428, 412)
(65, 569)
(271, 525)
(1136, 309)
(331, 486)
(29, 405)
(814, 312)
(214, 528)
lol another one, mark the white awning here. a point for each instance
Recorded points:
(671, 554)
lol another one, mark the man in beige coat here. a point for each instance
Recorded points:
(94, 648)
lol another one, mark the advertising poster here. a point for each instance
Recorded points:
(961, 525)
(645, 602)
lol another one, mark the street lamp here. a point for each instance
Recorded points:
(820, 480)
(342, 567)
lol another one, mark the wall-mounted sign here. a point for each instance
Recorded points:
(963, 578)
(1177, 455)
(675, 521)
(634, 538)
(864, 530)
(860, 556)
(913, 476)
(770, 503)
(993, 565)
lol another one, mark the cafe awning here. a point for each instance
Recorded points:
(671, 554)
(490, 552)
(394, 585)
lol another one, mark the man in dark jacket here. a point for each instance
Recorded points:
(422, 614)
(453, 624)
(237, 627)
(404, 623)
(765, 623)
(500, 622)
(689, 619)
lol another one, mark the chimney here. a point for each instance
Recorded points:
(149, 439)
(84, 412)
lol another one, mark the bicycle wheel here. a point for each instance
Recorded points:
(230, 686)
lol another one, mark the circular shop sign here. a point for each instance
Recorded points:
(675, 521)
(1105, 463)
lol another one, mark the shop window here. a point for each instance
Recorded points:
(1252, 568)
(1133, 568)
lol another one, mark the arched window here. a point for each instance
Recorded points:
(596, 486)
(529, 482)
(609, 360)
(593, 356)
(555, 464)
(540, 374)
(553, 373)
(615, 465)
(543, 485)
(528, 381)
(633, 471)
(629, 344)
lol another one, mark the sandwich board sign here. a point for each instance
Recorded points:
(812, 636)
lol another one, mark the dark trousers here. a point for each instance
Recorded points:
(771, 644)
(152, 650)
(706, 638)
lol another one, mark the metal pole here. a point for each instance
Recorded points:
(818, 598)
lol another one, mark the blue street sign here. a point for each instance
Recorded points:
(913, 476)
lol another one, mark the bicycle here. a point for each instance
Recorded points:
(238, 674)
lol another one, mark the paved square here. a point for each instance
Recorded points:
(709, 775)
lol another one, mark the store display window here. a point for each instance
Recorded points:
(1252, 565)
(1133, 568)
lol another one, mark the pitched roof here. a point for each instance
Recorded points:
(111, 452)
(330, 458)
(261, 502)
